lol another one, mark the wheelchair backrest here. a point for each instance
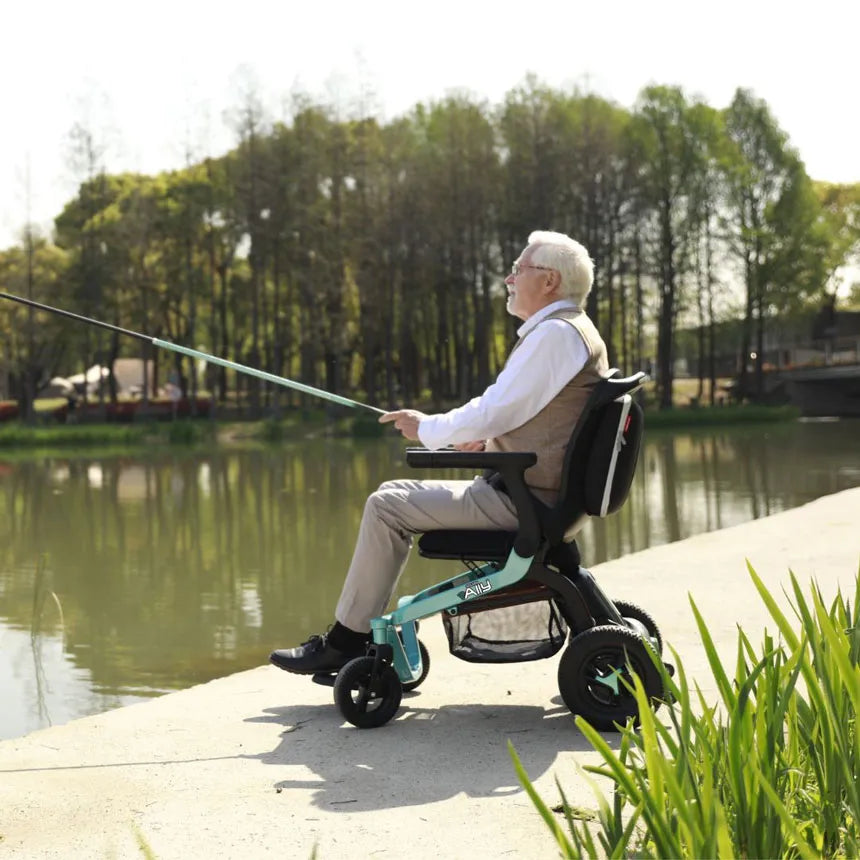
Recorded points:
(601, 455)
(610, 464)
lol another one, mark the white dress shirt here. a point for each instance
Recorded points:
(535, 373)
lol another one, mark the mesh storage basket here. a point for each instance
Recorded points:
(505, 634)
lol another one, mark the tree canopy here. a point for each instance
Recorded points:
(367, 257)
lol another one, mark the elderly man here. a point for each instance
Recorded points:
(532, 406)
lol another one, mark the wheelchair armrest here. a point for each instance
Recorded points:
(511, 466)
(422, 458)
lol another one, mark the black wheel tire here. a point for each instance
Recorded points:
(631, 610)
(602, 652)
(425, 668)
(366, 705)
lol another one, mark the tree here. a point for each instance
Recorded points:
(379, 222)
(533, 154)
(769, 208)
(707, 191)
(248, 179)
(671, 139)
(459, 182)
(598, 207)
(35, 342)
(79, 232)
(840, 214)
(356, 254)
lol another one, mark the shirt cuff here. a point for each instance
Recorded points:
(428, 433)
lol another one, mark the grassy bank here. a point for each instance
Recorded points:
(301, 424)
(717, 416)
(16, 435)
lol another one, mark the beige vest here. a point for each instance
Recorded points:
(548, 432)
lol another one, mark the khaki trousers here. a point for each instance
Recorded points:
(392, 515)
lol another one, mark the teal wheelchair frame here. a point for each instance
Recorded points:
(607, 640)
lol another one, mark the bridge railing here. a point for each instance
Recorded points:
(815, 353)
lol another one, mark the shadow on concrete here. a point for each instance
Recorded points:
(423, 756)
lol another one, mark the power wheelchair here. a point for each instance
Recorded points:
(533, 570)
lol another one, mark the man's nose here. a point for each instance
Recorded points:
(509, 279)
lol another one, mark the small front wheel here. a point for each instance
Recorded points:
(425, 668)
(365, 701)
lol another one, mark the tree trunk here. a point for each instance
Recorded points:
(225, 336)
(666, 320)
(746, 328)
(712, 345)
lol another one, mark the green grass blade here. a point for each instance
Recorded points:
(776, 613)
(546, 813)
(719, 673)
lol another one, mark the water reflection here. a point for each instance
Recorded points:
(166, 570)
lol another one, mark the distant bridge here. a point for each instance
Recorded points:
(817, 390)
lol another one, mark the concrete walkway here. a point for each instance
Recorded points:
(260, 764)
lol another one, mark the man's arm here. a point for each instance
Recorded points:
(535, 373)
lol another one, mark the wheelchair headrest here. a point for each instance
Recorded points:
(613, 386)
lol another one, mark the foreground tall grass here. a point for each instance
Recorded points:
(770, 770)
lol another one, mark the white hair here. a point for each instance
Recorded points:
(570, 259)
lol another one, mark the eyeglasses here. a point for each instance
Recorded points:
(518, 267)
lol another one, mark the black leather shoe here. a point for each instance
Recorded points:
(312, 657)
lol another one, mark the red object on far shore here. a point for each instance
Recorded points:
(124, 410)
(8, 410)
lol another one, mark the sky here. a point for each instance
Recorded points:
(155, 81)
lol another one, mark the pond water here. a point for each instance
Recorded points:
(127, 576)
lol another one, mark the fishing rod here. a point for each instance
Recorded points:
(193, 353)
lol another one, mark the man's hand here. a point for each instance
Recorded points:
(471, 446)
(406, 421)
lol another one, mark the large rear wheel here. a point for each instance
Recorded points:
(631, 610)
(595, 671)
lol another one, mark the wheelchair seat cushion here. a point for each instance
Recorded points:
(472, 544)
